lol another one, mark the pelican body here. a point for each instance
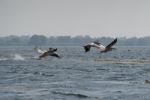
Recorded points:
(44, 53)
(99, 46)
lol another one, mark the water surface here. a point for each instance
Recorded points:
(116, 75)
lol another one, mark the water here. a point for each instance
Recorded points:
(116, 75)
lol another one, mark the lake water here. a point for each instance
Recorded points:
(116, 75)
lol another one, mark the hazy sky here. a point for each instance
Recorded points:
(115, 18)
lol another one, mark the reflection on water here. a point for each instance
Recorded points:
(116, 75)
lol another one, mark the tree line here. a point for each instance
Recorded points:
(41, 40)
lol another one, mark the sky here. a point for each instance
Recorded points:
(96, 18)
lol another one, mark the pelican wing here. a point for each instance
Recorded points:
(38, 50)
(49, 53)
(87, 48)
(111, 44)
(54, 54)
(45, 54)
(52, 49)
(101, 47)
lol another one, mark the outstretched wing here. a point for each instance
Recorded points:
(52, 49)
(38, 50)
(111, 44)
(45, 54)
(54, 54)
(87, 48)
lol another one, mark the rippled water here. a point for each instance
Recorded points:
(116, 75)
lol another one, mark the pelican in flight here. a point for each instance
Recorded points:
(44, 53)
(99, 46)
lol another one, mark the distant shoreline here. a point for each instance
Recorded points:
(41, 40)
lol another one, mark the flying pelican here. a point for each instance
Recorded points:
(44, 53)
(99, 46)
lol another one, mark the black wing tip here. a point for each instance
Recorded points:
(115, 40)
(57, 56)
(86, 48)
(52, 49)
(54, 55)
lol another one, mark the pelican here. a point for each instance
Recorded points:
(44, 53)
(99, 46)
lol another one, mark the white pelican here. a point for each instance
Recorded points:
(44, 53)
(99, 46)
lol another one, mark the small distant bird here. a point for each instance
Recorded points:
(44, 53)
(99, 46)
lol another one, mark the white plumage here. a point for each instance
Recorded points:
(99, 46)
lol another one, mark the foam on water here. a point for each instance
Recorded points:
(18, 57)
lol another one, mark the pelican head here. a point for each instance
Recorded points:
(97, 42)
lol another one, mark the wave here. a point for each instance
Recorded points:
(79, 95)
